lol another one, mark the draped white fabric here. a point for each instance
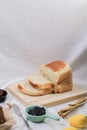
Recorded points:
(33, 32)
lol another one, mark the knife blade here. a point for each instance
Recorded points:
(18, 112)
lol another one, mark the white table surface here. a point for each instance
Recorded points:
(48, 124)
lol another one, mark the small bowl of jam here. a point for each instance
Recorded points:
(38, 114)
(3, 94)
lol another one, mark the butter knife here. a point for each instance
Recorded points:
(18, 112)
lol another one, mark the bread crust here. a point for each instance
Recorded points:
(56, 65)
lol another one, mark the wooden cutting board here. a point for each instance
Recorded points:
(47, 100)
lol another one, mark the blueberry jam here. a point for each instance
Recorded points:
(37, 111)
(3, 94)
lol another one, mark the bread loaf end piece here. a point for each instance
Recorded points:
(64, 86)
(56, 71)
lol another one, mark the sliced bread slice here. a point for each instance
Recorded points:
(40, 82)
(27, 89)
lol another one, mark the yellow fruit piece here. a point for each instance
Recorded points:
(71, 128)
(78, 121)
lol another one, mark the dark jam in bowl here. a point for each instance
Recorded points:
(37, 111)
(3, 94)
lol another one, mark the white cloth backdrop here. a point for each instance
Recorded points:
(33, 32)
